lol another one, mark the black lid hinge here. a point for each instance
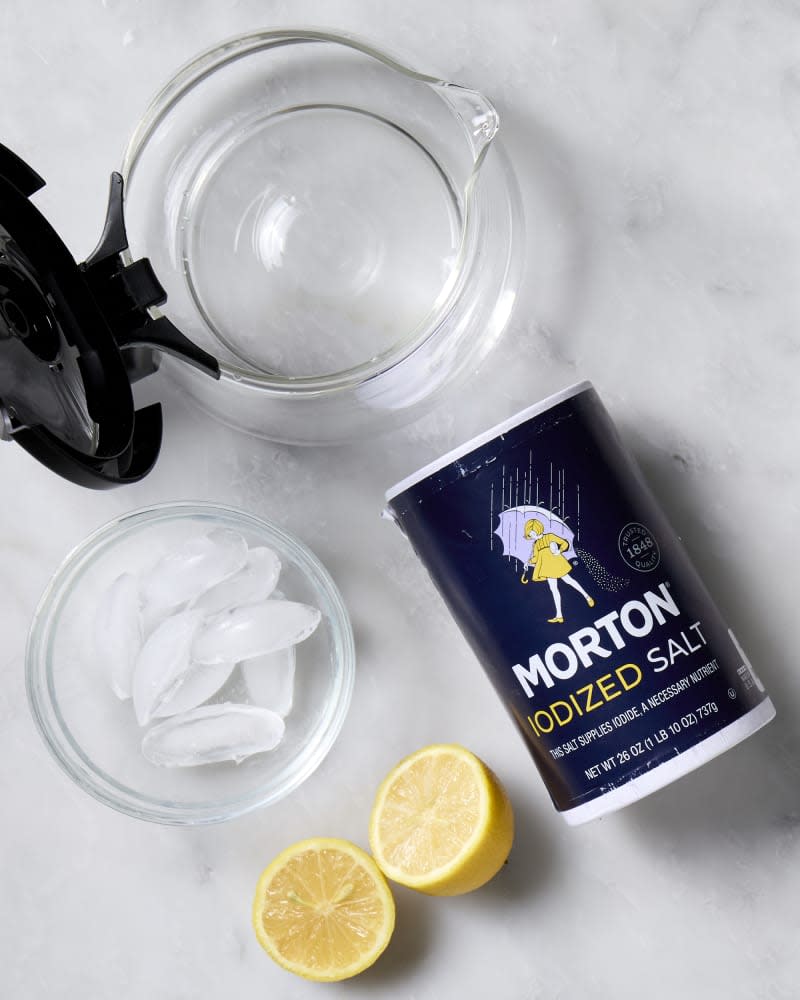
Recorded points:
(125, 293)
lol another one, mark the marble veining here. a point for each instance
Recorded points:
(657, 146)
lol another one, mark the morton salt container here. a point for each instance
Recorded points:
(582, 605)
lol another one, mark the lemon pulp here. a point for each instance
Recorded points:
(442, 822)
(323, 910)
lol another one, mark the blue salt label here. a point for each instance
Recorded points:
(582, 605)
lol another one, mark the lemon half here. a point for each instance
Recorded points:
(442, 822)
(323, 910)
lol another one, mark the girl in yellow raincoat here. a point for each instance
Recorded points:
(548, 562)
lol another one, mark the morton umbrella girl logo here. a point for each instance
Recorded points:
(543, 543)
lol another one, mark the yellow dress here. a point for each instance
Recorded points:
(549, 565)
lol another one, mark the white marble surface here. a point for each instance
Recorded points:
(658, 149)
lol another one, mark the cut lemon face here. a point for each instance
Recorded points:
(442, 822)
(323, 910)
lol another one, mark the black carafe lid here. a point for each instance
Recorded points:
(74, 337)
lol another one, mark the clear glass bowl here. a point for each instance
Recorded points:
(342, 232)
(95, 737)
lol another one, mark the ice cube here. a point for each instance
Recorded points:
(118, 632)
(194, 567)
(247, 632)
(153, 616)
(163, 662)
(270, 680)
(196, 685)
(211, 734)
(254, 582)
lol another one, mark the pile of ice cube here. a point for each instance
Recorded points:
(171, 637)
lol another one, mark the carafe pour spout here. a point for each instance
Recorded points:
(477, 115)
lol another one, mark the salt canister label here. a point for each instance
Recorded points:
(582, 605)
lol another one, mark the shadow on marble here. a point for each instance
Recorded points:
(683, 507)
(414, 937)
(532, 863)
(752, 790)
(745, 794)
